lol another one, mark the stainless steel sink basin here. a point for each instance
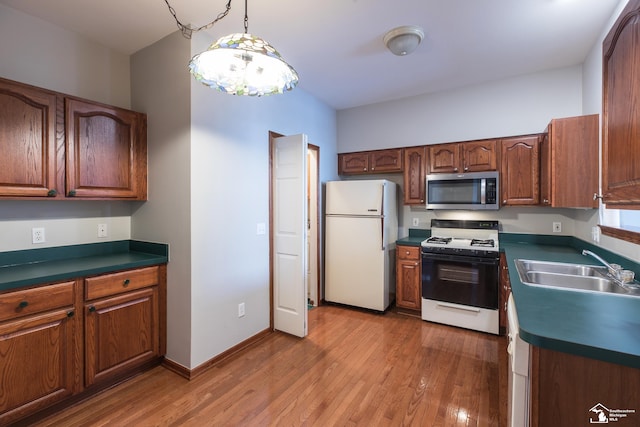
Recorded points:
(560, 268)
(576, 277)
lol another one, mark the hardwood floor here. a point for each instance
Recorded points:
(354, 369)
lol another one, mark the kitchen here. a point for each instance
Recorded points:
(204, 296)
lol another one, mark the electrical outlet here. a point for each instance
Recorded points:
(415, 222)
(37, 235)
(557, 227)
(241, 309)
(102, 230)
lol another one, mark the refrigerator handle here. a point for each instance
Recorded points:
(382, 213)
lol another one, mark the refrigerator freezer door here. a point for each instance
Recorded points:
(355, 197)
(357, 268)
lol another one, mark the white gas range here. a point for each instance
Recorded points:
(460, 274)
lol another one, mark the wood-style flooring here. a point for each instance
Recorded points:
(354, 369)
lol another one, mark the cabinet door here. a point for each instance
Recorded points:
(415, 165)
(121, 333)
(37, 362)
(444, 158)
(386, 161)
(106, 151)
(569, 163)
(479, 156)
(520, 171)
(621, 110)
(408, 278)
(27, 141)
(353, 163)
(505, 290)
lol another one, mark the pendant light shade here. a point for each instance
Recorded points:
(243, 64)
(402, 41)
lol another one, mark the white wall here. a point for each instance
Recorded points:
(516, 106)
(38, 53)
(41, 54)
(209, 166)
(161, 88)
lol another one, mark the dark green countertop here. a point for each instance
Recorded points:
(416, 236)
(39, 266)
(595, 325)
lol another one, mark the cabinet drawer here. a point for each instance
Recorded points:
(117, 283)
(35, 300)
(408, 252)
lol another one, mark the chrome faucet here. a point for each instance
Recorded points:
(605, 263)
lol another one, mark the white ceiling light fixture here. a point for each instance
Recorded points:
(403, 40)
(240, 63)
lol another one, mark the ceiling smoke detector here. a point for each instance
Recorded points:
(403, 40)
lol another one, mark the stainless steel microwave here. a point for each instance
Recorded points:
(471, 191)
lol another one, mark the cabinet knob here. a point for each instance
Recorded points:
(70, 313)
(72, 193)
(52, 193)
(92, 309)
(364, 169)
(455, 169)
(126, 282)
(466, 168)
(23, 304)
(545, 201)
(504, 202)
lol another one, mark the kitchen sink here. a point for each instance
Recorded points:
(576, 277)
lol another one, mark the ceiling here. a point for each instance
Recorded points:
(336, 45)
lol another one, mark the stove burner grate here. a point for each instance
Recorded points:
(439, 240)
(482, 242)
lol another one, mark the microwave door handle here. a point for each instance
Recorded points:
(483, 191)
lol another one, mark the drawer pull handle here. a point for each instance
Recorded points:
(72, 193)
(52, 193)
(70, 313)
(23, 304)
(126, 283)
(92, 309)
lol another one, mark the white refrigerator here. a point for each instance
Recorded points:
(361, 228)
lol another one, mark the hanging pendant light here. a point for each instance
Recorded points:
(243, 64)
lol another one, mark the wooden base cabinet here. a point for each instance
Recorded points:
(122, 329)
(505, 290)
(569, 390)
(408, 278)
(38, 348)
(44, 351)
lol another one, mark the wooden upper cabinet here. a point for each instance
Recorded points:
(56, 146)
(520, 170)
(27, 141)
(415, 171)
(366, 162)
(106, 151)
(621, 110)
(479, 156)
(444, 158)
(470, 156)
(569, 163)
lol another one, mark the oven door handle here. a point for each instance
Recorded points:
(461, 258)
(458, 307)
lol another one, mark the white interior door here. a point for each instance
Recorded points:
(290, 234)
